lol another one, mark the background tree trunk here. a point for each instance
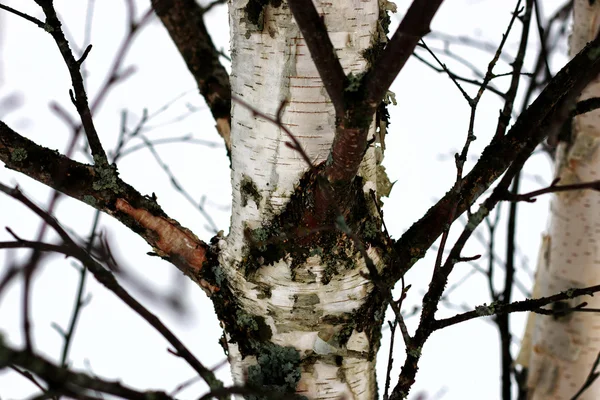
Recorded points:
(560, 350)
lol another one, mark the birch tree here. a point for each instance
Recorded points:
(561, 350)
(303, 278)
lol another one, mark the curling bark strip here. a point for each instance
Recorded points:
(173, 242)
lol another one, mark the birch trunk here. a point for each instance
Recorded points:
(560, 350)
(294, 303)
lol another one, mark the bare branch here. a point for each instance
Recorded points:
(553, 188)
(184, 21)
(413, 27)
(27, 17)
(67, 382)
(534, 305)
(551, 106)
(79, 95)
(591, 378)
(107, 279)
(105, 191)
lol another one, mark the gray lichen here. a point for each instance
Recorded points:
(277, 370)
(18, 155)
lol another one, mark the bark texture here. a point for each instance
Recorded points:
(560, 350)
(294, 290)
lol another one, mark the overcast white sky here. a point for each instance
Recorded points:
(428, 125)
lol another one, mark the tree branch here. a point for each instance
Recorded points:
(102, 189)
(413, 27)
(67, 382)
(107, 279)
(533, 305)
(183, 19)
(27, 17)
(553, 188)
(350, 140)
(545, 114)
(78, 95)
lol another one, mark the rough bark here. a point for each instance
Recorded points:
(294, 295)
(560, 350)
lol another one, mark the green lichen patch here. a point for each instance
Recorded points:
(277, 368)
(277, 371)
(368, 319)
(248, 190)
(18, 155)
(295, 235)
(107, 178)
(249, 332)
(90, 200)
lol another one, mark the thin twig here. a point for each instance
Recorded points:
(27, 17)
(591, 378)
(78, 95)
(534, 305)
(107, 279)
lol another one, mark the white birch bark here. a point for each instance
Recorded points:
(271, 64)
(559, 352)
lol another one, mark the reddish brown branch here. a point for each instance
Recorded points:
(107, 279)
(347, 152)
(105, 191)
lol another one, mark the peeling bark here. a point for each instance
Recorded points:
(297, 285)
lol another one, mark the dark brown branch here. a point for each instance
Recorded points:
(587, 105)
(213, 4)
(533, 305)
(350, 139)
(544, 114)
(413, 27)
(78, 95)
(67, 382)
(591, 378)
(27, 375)
(183, 19)
(321, 50)
(503, 322)
(539, 121)
(511, 94)
(543, 43)
(102, 189)
(455, 77)
(27, 17)
(69, 333)
(107, 279)
(553, 188)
